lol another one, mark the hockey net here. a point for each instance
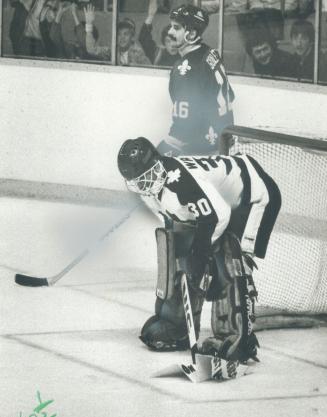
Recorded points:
(292, 279)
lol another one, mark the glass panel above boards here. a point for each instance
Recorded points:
(270, 38)
(322, 74)
(55, 29)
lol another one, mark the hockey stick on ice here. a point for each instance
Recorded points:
(189, 317)
(205, 367)
(31, 281)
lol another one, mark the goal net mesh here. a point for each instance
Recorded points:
(293, 276)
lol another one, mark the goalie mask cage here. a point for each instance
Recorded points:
(292, 279)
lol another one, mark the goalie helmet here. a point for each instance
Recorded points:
(140, 164)
(191, 17)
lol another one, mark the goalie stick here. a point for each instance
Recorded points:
(189, 317)
(205, 366)
(31, 281)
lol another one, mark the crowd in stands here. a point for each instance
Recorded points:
(270, 60)
(36, 29)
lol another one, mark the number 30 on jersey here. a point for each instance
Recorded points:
(201, 207)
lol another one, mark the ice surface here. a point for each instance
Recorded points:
(77, 342)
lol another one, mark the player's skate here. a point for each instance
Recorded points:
(231, 349)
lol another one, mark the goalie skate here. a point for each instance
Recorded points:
(205, 368)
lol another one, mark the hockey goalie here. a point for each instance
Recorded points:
(218, 213)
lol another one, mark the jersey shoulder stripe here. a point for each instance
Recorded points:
(213, 59)
(180, 181)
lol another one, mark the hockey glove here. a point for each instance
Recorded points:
(200, 257)
(200, 271)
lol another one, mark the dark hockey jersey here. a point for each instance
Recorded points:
(202, 99)
(204, 191)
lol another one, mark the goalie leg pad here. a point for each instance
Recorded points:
(172, 248)
(167, 329)
(166, 263)
(233, 311)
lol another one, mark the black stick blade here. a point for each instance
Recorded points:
(28, 281)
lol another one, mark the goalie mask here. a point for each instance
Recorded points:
(140, 164)
(191, 17)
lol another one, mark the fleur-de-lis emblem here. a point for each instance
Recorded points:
(184, 67)
(211, 136)
(173, 176)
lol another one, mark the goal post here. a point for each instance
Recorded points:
(292, 279)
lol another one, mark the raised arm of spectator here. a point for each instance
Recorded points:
(73, 9)
(145, 37)
(102, 52)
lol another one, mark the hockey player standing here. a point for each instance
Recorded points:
(199, 89)
(230, 205)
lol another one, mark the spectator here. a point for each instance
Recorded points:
(323, 67)
(165, 55)
(77, 49)
(267, 19)
(24, 29)
(36, 30)
(52, 37)
(100, 52)
(129, 52)
(17, 25)
(267, 58)
(270, 15)
(302, 37)
(50, 18)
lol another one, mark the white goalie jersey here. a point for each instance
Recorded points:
(218, 192)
